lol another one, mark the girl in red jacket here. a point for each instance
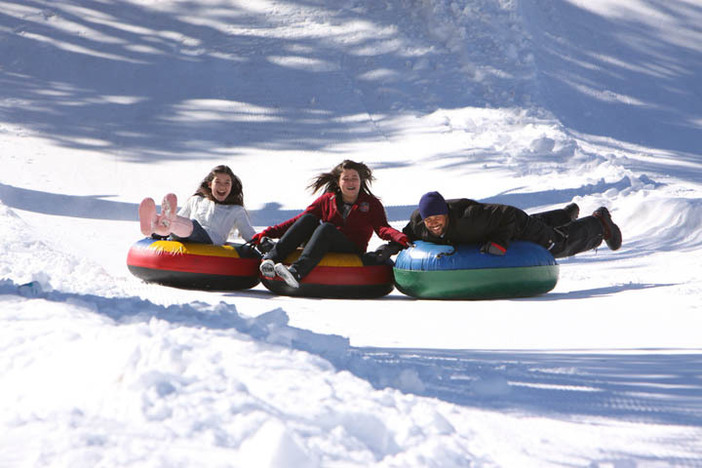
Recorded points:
(342, 220)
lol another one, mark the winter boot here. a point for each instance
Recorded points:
(288, 274)
(267, 268)
(573, 211)
(612, 234)
(147, 216)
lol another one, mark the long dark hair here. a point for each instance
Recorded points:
(235, 197)
(329, 181)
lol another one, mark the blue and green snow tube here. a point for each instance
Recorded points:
(433, 271)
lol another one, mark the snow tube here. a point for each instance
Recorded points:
(194, 266)
(461, 272)
(338, 275)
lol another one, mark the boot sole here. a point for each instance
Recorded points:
(615, 240)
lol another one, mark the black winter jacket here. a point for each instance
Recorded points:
(472, 222)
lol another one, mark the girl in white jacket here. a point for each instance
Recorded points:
(208, 217)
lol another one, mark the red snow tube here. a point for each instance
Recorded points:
(194, 266)
(338, 275)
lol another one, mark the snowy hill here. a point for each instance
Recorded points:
(532, 103)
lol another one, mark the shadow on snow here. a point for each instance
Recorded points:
(100, 207)
(167, 87)
(645, 386)
(626, 76)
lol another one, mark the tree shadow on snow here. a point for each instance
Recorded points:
(553, 197)
(148, 84)
(627, 75)
(645, 386)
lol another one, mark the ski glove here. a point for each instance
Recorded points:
(492, 248)
(403, 240)
(385, 251)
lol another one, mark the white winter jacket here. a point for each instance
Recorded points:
(218, 220)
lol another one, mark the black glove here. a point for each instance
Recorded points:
(492, 248)
(385, 251)
(264, 245)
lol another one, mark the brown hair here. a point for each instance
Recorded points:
(329, 181)
(235, 197)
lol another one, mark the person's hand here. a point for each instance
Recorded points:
(403, 240)
(256, 239)
(493, 248)
(385, 251)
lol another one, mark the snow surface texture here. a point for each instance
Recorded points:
(533, 103)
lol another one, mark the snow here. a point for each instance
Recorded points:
(533, 103)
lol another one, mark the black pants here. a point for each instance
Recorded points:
(555, 231)
(320, 238)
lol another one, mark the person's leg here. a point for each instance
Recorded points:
(294, 237)
(560, 216)
(612, 233)
(326, 238)
(188, 230)
(588, 233)
(579, 236)
(539, 232)
(298, 233)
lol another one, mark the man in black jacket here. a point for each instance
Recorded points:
(464, 221)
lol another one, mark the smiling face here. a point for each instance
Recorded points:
(350, 185)
(221, 186)
(437, 224)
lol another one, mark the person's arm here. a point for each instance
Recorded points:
(503, 223)
(413, 229)
(492, 226)
(187, 209)
(382, 228)
(242, 223)
(316, 208)
(399, 240)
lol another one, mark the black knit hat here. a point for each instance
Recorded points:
(432, 203)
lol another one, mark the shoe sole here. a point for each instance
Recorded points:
(267, 269)
(147, 214)
(614, 241)
(284, 273)
(169, 206)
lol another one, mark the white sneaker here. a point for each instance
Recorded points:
(267, 268)
(287, 275)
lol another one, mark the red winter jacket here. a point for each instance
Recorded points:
(367, 215)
